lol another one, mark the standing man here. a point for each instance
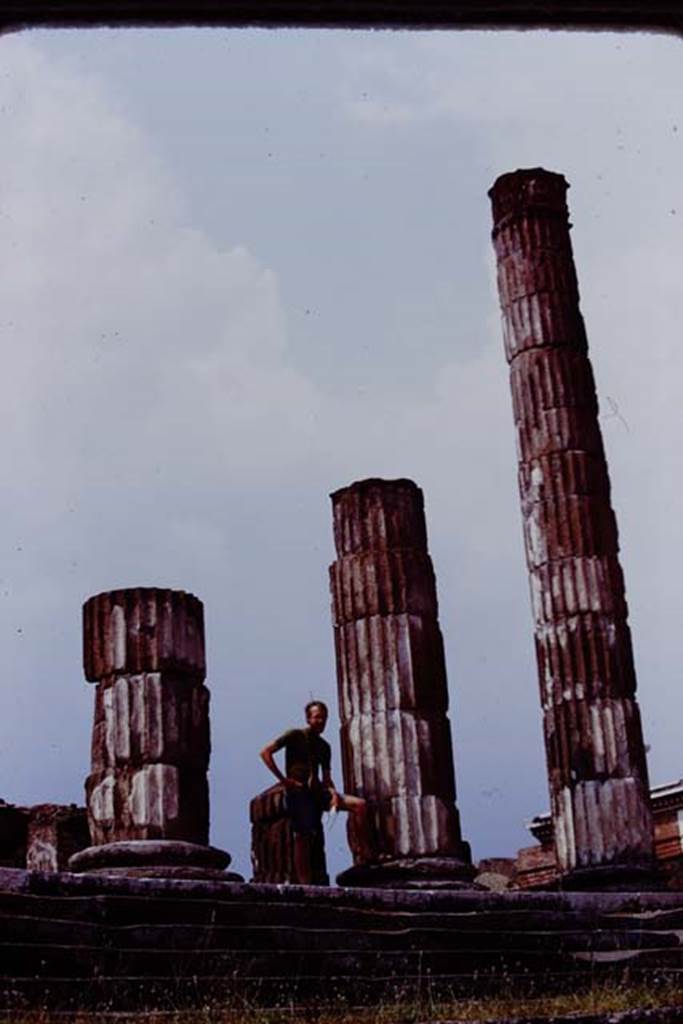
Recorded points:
(310, 789)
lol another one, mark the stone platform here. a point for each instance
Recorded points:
(116, 943)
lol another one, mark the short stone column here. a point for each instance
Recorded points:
(147, 795)
(594, 744)
(272, 841)
(391, 678)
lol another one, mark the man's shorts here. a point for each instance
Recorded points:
(305, 809)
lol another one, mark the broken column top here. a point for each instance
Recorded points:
(518, 191)
(143, 629)
(377, 514)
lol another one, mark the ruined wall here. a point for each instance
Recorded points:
(55, 833)
(42, 837)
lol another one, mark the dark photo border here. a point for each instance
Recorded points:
(644, 15)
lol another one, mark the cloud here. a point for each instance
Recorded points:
(160, 424)
(128, 333)
(146, 375)
(604, 111)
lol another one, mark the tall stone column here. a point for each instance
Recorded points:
(147, 795)
(391, 678)
(594, 745)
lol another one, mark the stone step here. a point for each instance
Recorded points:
(31, 930)
(169, 908)
(109, 942)
(655, 1015)
(34, 960)
(462, 902)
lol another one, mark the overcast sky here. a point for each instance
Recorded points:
(240, 269)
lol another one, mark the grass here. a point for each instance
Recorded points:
(606, 998)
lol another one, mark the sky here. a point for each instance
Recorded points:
(243, 268)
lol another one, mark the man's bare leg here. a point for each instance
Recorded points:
(360, 836)
(302, 859)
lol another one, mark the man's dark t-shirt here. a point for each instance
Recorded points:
(305, 753)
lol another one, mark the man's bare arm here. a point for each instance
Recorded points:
(269, 761)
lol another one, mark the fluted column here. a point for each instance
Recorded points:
(594, 745)
(391, 678)
(147, 794)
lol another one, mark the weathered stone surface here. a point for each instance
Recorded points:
(562, 475)
(584, 651)
(594, 744)
(151, 717)
(399, 755)
(498, 865)
(152, 801)
(144, 629)
(162, 854)
(537, 865)
(272, 841)
(393, 699)
(387, 662)
(41, 837)
(497, 874)
(113, 943)
(382, 582)
(378, 516)
(578, 525)
(55, 833)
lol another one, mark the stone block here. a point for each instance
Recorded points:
(414, 826)
(383, 582)
(554, 378)
(588, 655)
(545, 270)
(558, 430)
(398, 752)
(536, 324)
(592, 740)
(128, 632)
(151, 717)
(390, 661)
(372, 515)
(577, 586)
(559, 475)
(576, 526)
(155, 801)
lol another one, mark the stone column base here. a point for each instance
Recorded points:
(611, 878)
(154, 858)
(411, 873)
